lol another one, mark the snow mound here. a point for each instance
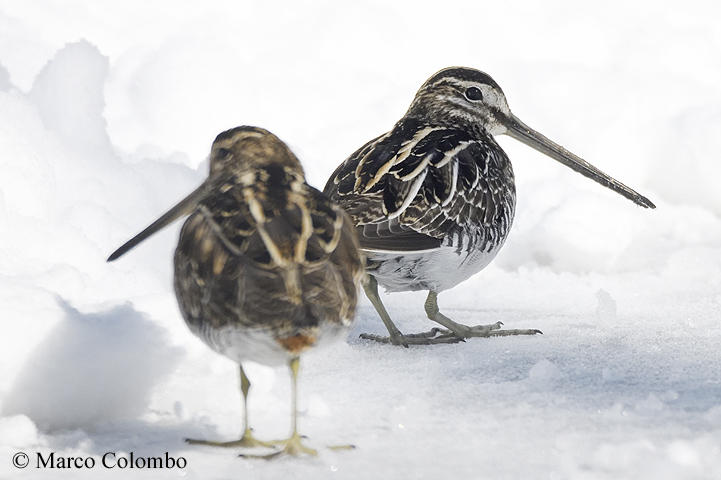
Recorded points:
(69, 95)
(92, 368)
(544, 374)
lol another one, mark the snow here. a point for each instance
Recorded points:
(114, 358)
(107, 112)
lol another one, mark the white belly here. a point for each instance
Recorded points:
(435, 270)
(259, 345)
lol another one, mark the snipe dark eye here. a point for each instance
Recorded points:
(474, 94)
(223, 153)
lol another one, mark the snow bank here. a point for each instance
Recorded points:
(92, 368)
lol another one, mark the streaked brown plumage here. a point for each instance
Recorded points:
(434, 198)
(266, 267)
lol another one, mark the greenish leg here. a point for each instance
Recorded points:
(370, 286)
(462, 331)
(293, 445)
(395, 336)
(247, 440)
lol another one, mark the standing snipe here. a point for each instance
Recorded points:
(434, 199)
(266, 267)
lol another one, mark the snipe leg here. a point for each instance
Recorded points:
(247, 440)
(293, 445)
(456, 330)
(395, 336)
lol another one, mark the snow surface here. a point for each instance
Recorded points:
(107, 112)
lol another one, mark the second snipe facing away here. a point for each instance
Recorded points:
(434, 198)
(266, 267)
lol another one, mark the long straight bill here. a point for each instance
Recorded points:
(518, 130)
(185, 207)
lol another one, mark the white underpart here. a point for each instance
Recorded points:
(435, 270)
(256, 345)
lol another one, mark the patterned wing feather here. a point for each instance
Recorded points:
(437, 183)
(262, 257)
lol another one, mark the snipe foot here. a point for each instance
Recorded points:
(493, 330)
(246, 441)
(293, 448)
(437, 336)
(425, 338)
(457, 330)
